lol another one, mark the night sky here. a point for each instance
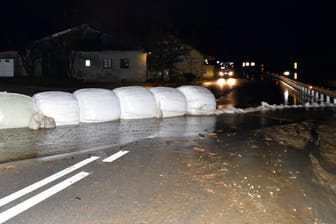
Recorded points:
(276, 33)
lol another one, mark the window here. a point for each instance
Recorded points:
(107, 63)
(87, 62)
(124, 63)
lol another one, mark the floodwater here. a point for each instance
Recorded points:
(17, 144)
(23, 143)
(243, 93)
(262, 167)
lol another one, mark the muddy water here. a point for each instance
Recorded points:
(16, 144)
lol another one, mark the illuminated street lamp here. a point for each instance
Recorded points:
(295, 70)
(286, 73)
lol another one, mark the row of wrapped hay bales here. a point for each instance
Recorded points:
(61, 106)
(102, 105)
(15, 110)
(136, 102)
(97, 105)
(169, 102)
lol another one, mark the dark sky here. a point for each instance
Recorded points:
(273, 32)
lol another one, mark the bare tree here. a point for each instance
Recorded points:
(165, 51)
(29, 58)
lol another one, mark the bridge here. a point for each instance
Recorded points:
(314, 92)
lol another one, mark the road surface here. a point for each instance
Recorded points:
(263, 167)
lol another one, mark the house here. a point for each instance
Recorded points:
(84, 53)
(192, 63)
(171, 58)
(7, 63)
(111, 65)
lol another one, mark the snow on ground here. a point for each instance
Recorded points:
(267, 107)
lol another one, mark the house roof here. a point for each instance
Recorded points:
(8, 54)
(84, 37)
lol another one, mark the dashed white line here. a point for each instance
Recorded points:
(30, 188)
(23, 206)
(115, 156)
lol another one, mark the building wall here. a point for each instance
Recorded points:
(209, 72)
(136, 72)
(193, 63)
(6, 67)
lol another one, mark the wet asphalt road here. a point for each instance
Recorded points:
(179, 170)
(213, 169)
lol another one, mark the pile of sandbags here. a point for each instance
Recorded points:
(136, 102)
(15, 110)
(169, 102)
(200, 100)
(61, 106)
(97, 105)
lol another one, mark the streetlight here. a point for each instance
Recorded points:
(295, 70)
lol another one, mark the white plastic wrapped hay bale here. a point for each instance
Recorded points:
(200, 100)
(169, 101)
(15, 110)
(136, 102)
(61, 106)
(97, 105)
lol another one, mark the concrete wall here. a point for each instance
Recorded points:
(136, 72)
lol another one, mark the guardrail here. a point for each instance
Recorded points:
(315, 92)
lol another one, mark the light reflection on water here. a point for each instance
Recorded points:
(243, 93)
(221, 83)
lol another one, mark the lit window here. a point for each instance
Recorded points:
(124, 63)
(107, 63)
(87, 62)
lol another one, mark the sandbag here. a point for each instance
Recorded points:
(169, 101)
(136, 102)
(15, 110)
(200, 100)
(97, 105)
(61, 106)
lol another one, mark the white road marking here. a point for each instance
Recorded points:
(47, 180)
(23, 206)
(115, 156)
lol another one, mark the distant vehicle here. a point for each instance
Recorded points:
(226, 73)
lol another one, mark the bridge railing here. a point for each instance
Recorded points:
(315, 92)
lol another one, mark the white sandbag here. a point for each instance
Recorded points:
(200, 100)
(136, 102)
(169, 101)
(15, 110)
(97, 105)
(61, 106)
